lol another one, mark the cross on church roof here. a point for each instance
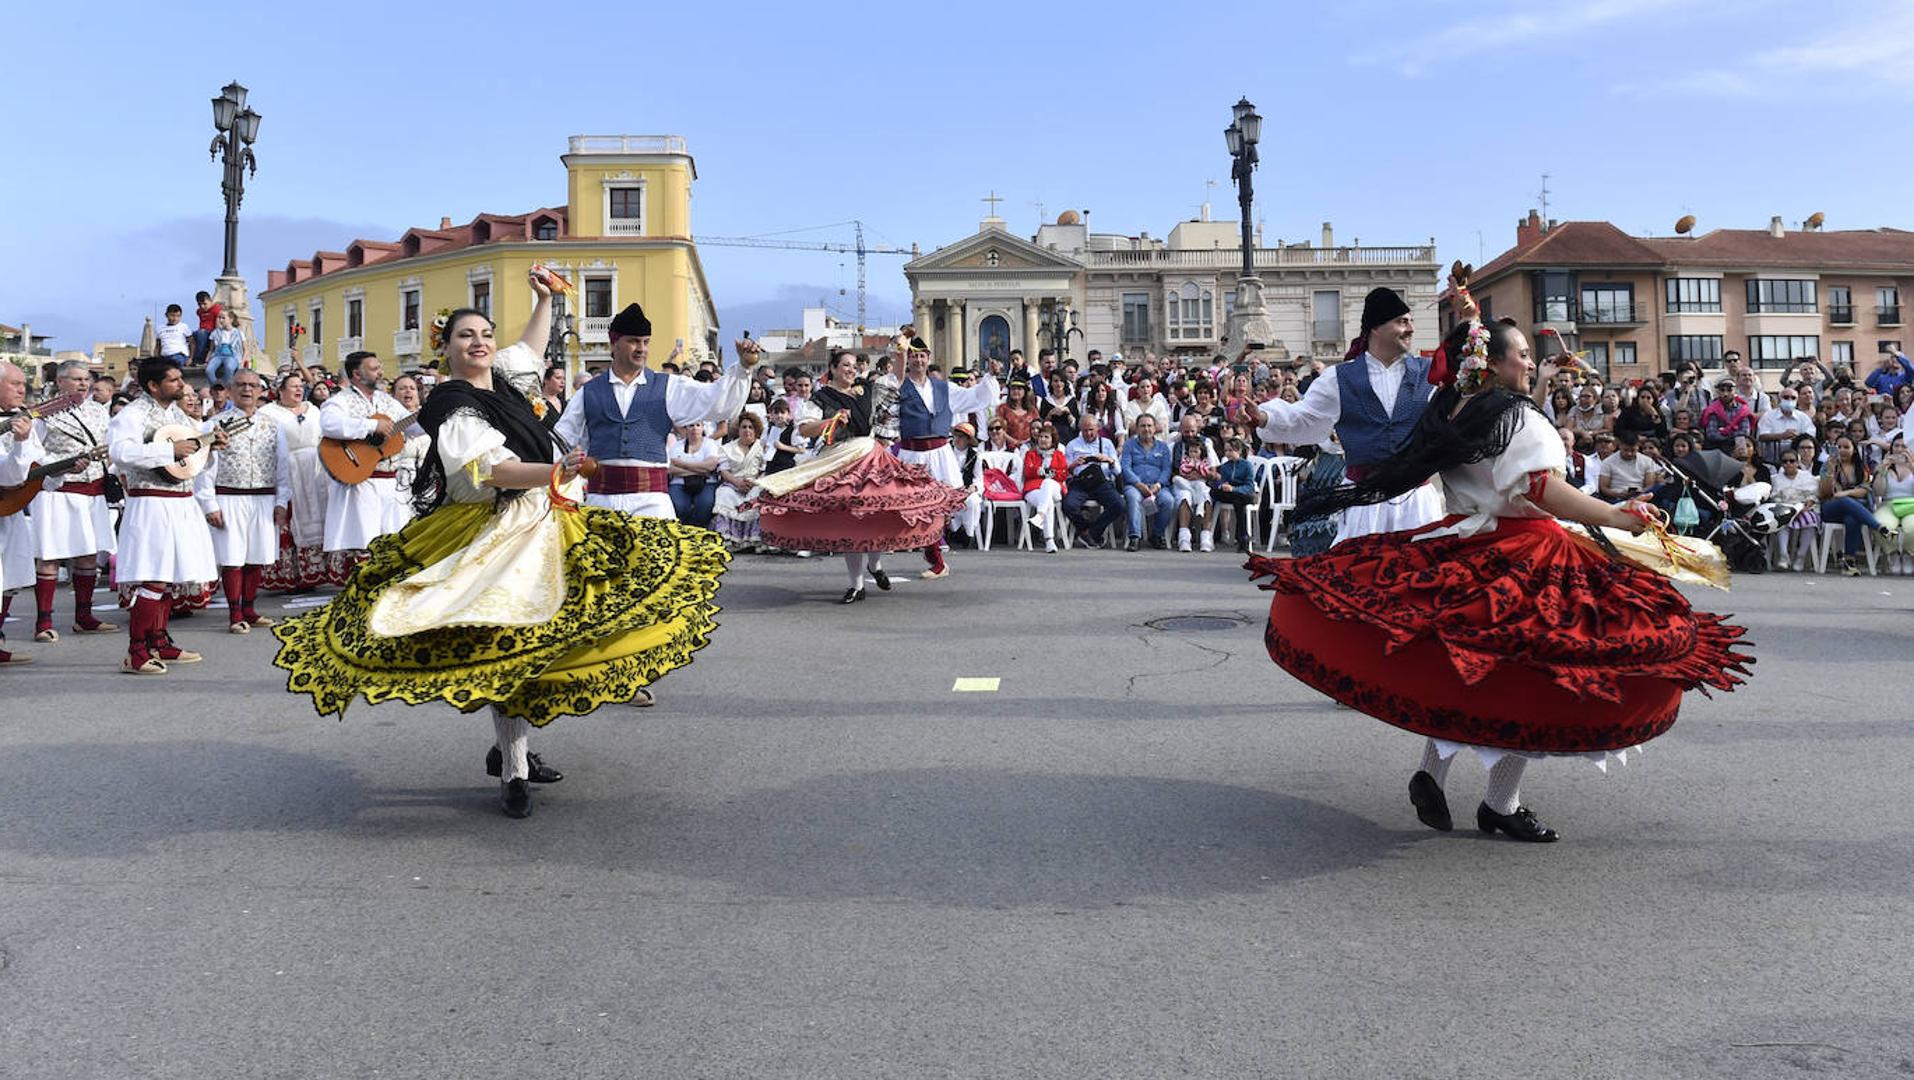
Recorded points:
(993, 199)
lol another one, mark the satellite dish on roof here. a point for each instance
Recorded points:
(1815, 221)
(1686, 225)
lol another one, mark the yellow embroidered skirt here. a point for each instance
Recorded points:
(542, 612)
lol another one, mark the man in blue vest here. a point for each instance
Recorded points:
(1371, 401)
(624, 416)
(926, 408)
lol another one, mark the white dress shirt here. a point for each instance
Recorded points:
(688, 401)
(1312, 419)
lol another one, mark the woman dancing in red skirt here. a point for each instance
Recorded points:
(1492, 628)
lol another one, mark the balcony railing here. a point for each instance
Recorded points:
(625, 227)
(308, 355)
(628, 144)
(405, 342)
(1841, 314)
(1889, 316)
(347, 346)
(1232, 258)
(1610, 314)
(595, 330)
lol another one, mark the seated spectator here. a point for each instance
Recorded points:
(1585, 417)
(1145, 465)
(1558, 405)
(1103, 404)
(1192, 470)
(1094, 472)
(692, 461)
(1725, 417)
(1797, 487)
(1681, 420)
(1045, 468)
(739, 467)
(1236, 489)
(1628, 474)
(1584, 470)
(1871, 449)
(1017, 414)
(1780, 426)
(965, 522)
(1847, 497)
(1894, 505)
(1145, 401)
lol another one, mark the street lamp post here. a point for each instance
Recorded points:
(1059, 326)
(564, 328)
(237, 126)
(1249, 320)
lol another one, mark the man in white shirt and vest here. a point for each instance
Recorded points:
(357, 514)
(926, 408)
(623, 417)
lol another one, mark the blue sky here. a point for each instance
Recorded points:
(1397, 121)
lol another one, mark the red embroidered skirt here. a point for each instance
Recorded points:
(876, 503)
(1519, 638)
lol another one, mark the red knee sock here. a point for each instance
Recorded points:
(934, 555)
(44, 589)
(83, 585)
(231, 580)
(249, 586)
(143, 624)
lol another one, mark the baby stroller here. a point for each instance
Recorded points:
(1747, 516)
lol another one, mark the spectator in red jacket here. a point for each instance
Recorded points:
(1044, 472)
(1726, 417)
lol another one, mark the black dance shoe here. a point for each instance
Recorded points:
(883, 580)
(515, 798)
(537, 771)
(852, 596)
(1520, 825)
(1432, 807)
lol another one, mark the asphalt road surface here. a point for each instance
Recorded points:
(1147, 853)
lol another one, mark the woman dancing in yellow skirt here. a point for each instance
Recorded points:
(505, 592)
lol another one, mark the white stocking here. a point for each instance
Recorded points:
(1505, 784)
(854, 566)
(513, 739)
(1435, 764)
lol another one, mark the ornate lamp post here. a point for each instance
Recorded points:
(1249, 321)
(564, 328)
(1057, 329)
(237, 126)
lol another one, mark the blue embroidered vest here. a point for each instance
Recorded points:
(638, 435)
(1369, 433)
(917, 419)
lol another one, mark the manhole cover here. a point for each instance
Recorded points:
(1185, 623)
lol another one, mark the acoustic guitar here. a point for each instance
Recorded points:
(353, 461)
(193, 464)
(15, 498)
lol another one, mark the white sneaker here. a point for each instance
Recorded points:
(1182, 539)
(1209, 542)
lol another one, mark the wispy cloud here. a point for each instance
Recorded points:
(1873, 44)
(1526, 22)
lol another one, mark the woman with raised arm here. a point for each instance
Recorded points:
(505, 593)
(853, 496)
(1492, 628)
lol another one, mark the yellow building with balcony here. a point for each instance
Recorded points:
(623, 235)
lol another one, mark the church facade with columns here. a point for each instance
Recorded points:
(1075, 290)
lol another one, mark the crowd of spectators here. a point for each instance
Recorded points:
(1150, 451)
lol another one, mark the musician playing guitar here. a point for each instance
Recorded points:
(358, 513)
(19, 450)
(164, 538)
(72, 524)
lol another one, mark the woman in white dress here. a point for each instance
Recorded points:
(738, 471)
(303, 563)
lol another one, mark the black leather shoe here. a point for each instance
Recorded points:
(1520, 825)
(852, 596)
(883, 580)
(516, 799)
(1432, 807)
(539, 772)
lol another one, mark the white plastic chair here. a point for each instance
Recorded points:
(1280, 477)
(1830, 531)
(1011, 463)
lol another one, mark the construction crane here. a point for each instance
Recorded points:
(857, 246)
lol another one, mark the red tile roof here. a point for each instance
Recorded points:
(1859, 248)
(1574, 243)
(483, 229)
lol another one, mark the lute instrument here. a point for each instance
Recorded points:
(15, 498)
(43, 409)
(194, 463)
(353, 461)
